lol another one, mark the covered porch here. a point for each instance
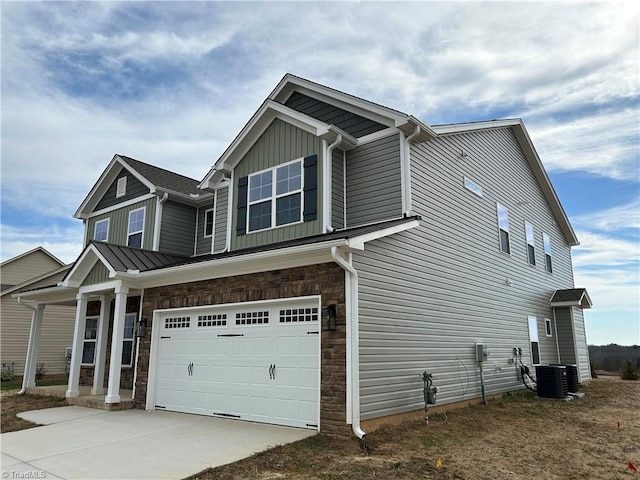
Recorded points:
(86, 398)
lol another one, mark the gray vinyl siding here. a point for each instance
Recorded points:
(280, 143)
(98, 274)
(374, 189)
(221, 214)
(135, 188)
(584, 364)
(337, 190)
(429, 294)
(119, 223)
(566, 343)
(351, 123)
(203, 244)
(178, 228)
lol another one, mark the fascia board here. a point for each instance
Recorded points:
(269, 111)
(545, 183)
(474, 126)
(52, 295)
(103, 183)
(183, 197)
(381, 114)
(409, 124)
(231, 266)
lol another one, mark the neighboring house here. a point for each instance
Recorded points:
(335, 251)
(34, 269)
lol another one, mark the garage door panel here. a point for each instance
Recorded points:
(231, 372)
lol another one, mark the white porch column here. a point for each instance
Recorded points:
(101, 346)
(76, 352)
(29, 375)
(115, 364)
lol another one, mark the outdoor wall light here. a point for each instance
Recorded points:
(329, 317)
(141, 327)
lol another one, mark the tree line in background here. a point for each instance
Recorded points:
(613, 357)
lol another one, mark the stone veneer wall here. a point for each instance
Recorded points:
(326, 280)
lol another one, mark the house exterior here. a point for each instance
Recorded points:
(34, 269)
(335, 251)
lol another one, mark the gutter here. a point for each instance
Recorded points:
(353, 344)
(25, 379)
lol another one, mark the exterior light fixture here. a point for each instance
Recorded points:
(329, 317)
(141, 327)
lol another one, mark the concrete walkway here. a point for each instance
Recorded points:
(84, 443)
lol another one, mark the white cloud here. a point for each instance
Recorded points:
(65, 244)
(604, 250)
(620, 217)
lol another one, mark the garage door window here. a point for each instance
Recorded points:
(219, 320)
(177, 322)
(252, 318)
(299, 315)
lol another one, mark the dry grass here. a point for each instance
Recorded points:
(516, 437)
(11, 405)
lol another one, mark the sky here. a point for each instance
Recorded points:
(172, 83)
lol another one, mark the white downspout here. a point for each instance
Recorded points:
(156, 232)
(407, 171)
(328, 187)
(353, 344)
(27, 363)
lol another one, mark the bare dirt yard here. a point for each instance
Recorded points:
(514, 437)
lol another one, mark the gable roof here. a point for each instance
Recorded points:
(156, 179)
(571, 297)
(31, 281)
(30, 252)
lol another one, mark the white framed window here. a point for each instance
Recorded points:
(136, 227)
(472, 186)
(546, 239)
(208, 222)
(101, 230)
(127, 342)
(275, 196)
(121, 188)
(503, 228)
(535, 342)
(89, 341)
(531, 243)
(547, 327)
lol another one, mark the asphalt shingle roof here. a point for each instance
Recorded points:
(568, 295)
(161, 177)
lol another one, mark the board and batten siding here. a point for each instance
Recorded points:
(374, 190)
(99, 273)
(178, 228)
(135, 188)
(337, 189)
(57, 331)
(428, 295)
(203, 244)
(280, 143)
(119, 223)
(221, 214)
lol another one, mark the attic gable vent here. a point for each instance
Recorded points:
(121, 190)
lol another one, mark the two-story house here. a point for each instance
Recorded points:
(335, 251)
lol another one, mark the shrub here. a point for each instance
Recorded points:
(41, 371)
(7, 375)
(629, 372)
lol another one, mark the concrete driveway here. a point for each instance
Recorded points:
(83, 443)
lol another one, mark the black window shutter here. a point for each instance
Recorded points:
(243, 190)
(310, 165)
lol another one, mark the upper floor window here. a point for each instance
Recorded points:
(531, 243)
(208, 223)
(547, 252)
(121, 188)
(503, 227)
(274, 203)
(136, 226)
(472, 186)
(101, 231)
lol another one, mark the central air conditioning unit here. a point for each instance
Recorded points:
(572, 376)
(552, 381)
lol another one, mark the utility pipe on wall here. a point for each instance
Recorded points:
(353, 364)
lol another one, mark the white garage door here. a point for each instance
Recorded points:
(252, 361)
